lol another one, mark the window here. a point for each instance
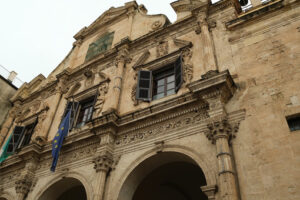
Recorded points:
(21, 137)
(159, 83)
(81, 112)
(85, 111)
(294, 123)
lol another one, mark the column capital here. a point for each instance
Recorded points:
(123, 56)
(103, 162)
(220, 129)
(23, 185)
(209, 191)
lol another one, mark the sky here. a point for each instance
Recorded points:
(35, 35)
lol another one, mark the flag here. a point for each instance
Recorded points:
(3, 151)
(59, 138)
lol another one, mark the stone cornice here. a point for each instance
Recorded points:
(254, 14)
(216, 82)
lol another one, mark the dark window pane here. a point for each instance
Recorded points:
(145, 75)
(143, 93)
(294, 123)
(144, 83)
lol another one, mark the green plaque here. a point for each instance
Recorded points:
(99, 46)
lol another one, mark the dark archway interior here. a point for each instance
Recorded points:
(65, 189)
(176, 181)
(2, 198)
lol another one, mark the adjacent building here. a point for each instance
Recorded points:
(7, 90)
(206, 107)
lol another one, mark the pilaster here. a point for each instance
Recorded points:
(102, 164)
(120, 62)
(209, 58)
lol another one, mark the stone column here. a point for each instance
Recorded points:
(220, 132)
(208, 46)
(103, 163)
(120, 62)
(26, 180)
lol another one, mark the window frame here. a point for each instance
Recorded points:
(175, 65)
(293, 122)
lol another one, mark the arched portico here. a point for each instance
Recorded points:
(67, 188)
(6, 196)
(63, 187)
(175, 172)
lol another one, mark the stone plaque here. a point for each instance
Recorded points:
(99, 46)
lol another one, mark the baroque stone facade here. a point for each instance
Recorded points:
(195, 109)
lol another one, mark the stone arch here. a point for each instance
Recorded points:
(188, 155)
(74, 176)
(6, 196)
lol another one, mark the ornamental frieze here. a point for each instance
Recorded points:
(69, 158)
(163, 127)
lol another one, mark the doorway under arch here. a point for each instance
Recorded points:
(166, 175)
(65, 189)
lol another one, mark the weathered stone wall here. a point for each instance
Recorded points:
(236, 133)
(6, 92)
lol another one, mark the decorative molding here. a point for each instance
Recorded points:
(103, 162)
(156, 25)
(181, 43)
(23, 186)
(162, 49)
(221, 128)
(256, 13)
(209, 191)
(102, 91)
(188, 68)
(123, 56)
(142, 59)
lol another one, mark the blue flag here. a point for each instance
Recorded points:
(59, 138)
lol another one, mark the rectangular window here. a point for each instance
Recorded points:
(81, 112)
(159, 83)
(294, 123)
(26, 137)
(85, 111)
(21, 137)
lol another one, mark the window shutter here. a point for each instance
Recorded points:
(15, 139)
(144, 86)
(73, 106)
(27, 139)
(178, 73)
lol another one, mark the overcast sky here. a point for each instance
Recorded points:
(36, 35)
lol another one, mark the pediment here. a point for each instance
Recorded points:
(108, 16)
(27, 88)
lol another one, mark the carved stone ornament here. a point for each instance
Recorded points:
(187, 65)
(133, 90)
(103, 162)
(123, 56)
(90, 77)
(162, 49)
(23, 185)
(219, 129)
(102, 90)
(156, 25)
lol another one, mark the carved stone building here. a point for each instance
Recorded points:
(203, 108)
